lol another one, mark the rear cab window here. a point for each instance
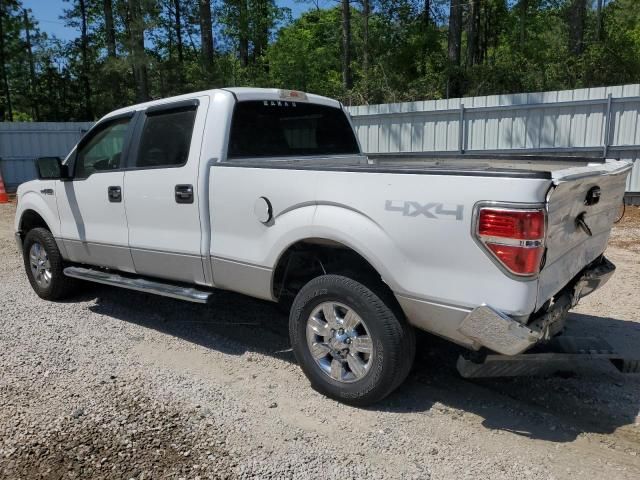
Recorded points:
(271, 128)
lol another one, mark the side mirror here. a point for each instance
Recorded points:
(51, 168)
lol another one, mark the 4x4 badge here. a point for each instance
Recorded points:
(429, 210)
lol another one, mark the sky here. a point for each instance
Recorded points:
(48, 13)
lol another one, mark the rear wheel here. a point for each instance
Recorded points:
(348, 341)
(44, 265)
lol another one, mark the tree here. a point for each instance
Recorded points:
(523, 6)
(32, 68)
(455, 46)
(178, 26)
(206, 34)
(347, 81)
(84, 47)
(6, 111)
(357, 51)
(576, 19)
(110, 31)
(366, 13)
(473, 32)
(599, 20)
(426, 12)
(135, 25)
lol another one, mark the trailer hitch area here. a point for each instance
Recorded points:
(561, 354)
(488, 327)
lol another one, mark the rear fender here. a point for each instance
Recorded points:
(357, 231)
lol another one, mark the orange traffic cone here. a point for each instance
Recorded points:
(4, 198)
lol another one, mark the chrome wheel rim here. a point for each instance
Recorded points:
(40, 265)
(339, 342)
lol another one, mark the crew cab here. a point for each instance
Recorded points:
(266, 192)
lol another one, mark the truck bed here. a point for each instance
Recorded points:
(514, 166)
(545, 164)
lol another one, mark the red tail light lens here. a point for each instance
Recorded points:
(514, 237)
(521, 261)
(520, 225)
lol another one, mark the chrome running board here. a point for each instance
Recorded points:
(139, 284)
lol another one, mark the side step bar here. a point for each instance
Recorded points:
(140, 284)
(560, 354)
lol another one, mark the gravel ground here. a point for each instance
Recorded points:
(118, 384)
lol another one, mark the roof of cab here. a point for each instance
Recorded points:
(241, 93)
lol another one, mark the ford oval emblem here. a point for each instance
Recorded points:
(593, 196)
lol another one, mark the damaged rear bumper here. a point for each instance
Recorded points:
(490, 328)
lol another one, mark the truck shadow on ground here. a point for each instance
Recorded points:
(555, 408)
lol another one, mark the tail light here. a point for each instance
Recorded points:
(514, 237)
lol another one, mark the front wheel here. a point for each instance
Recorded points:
(44, 265)
(348, 341)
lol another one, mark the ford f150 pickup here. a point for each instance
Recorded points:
(266, 192)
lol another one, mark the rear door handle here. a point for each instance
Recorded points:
(184, 193)
(115, 194)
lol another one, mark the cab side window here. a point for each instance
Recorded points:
(166, 138)
(103, 150)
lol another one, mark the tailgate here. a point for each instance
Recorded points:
(582, 205)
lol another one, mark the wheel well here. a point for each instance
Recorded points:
(30, 220)
(310, 258)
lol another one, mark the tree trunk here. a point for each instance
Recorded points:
(454, 48)
(455, 31)
(524, 8)
(366, 12)
(179, 46)
(484, 33)
(84, 49)
(243, 33)
(136, 32)
(599, 21)
(5, 80)
(110, 31)
(427, 12)
(261, 33)
(206, 34)
(347, 82)
(473, 30)
(577, 13)
(32, 68)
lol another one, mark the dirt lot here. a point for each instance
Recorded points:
(118, 384)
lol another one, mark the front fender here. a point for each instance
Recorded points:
(30, 198)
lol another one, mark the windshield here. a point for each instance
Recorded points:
(269, 128)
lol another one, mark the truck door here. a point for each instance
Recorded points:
(162, 191)
(93, 223)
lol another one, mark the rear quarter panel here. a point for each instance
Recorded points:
(420, 252)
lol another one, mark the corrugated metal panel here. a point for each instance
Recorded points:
(21, 143)
(566, 121)
(16, 171)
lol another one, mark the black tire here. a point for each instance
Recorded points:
(392, 338)
(60, 286)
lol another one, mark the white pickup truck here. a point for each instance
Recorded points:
(265, 192)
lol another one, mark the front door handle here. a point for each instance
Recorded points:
(184, 193)
(115, 194)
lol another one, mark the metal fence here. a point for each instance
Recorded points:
(595, 121)
(21, 143)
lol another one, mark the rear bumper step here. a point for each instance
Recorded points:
(139, 284)
(562, 354)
